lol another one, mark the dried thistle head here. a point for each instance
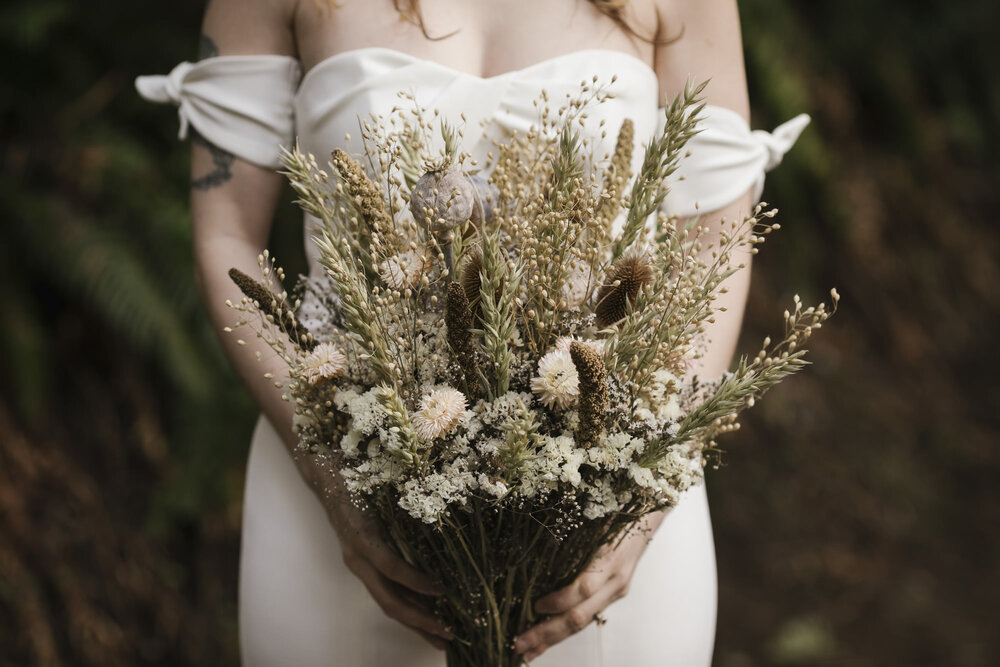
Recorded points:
(626, 278)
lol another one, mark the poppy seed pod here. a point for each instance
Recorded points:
(442, 200)
(485, 197)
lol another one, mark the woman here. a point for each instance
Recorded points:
(314, 596)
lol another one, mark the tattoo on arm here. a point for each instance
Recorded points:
(207, 47)
(222, 162)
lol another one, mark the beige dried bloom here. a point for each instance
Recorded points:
(439, 413)
(325, 362)
(557, 383)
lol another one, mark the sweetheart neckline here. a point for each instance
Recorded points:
(547, 62)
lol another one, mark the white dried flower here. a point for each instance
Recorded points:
(497, 488)
(557, 383)
(402, 271)
(325, 362)
(440, 411)
(662, 394)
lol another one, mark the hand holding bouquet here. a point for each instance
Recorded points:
(499, 367)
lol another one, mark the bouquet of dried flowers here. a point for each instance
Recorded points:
(497, 375)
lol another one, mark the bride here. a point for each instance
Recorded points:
(317, 584)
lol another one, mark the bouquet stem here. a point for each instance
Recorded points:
(493, 564)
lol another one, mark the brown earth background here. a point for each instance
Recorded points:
(856, 516)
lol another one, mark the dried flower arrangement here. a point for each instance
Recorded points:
(498, 376)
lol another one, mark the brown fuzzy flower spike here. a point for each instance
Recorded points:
(459, 320)
(365, 196)
(593, 385)
(269, 304)
(623, 283)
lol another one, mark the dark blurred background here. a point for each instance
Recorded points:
(855, 515)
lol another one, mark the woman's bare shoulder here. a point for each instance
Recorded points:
(246, 27)
(705, 43)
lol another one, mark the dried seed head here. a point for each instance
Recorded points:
(273, 309)
(442, 199)
(593, 385)
(459, 320)
(485, 197)
(470, 277)
(623, 283)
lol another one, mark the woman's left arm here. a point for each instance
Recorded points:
(709, 47)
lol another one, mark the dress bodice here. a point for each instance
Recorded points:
(352, 85)
(253, 105)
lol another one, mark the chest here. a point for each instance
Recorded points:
(478, 37)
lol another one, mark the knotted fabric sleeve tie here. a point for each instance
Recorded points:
(725, 159)
(242, 104)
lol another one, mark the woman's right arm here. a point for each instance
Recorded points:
(232, 208)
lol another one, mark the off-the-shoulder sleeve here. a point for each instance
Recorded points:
(725, 160)
(242, 104)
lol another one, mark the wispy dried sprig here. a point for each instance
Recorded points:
(377, 223)
(274, 308)
(519, 444)
(498, 312)
(408, 451)
(662, 155)
(362, 318)
(616, 178)
(740, 389)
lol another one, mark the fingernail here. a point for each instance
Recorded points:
(521, 645)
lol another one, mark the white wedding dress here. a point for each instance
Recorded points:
(299, 605)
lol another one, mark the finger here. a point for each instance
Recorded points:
(393, 567)
(418, 600)
(396, 607)
(583, 587)
(433, 640)
(559, 627)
